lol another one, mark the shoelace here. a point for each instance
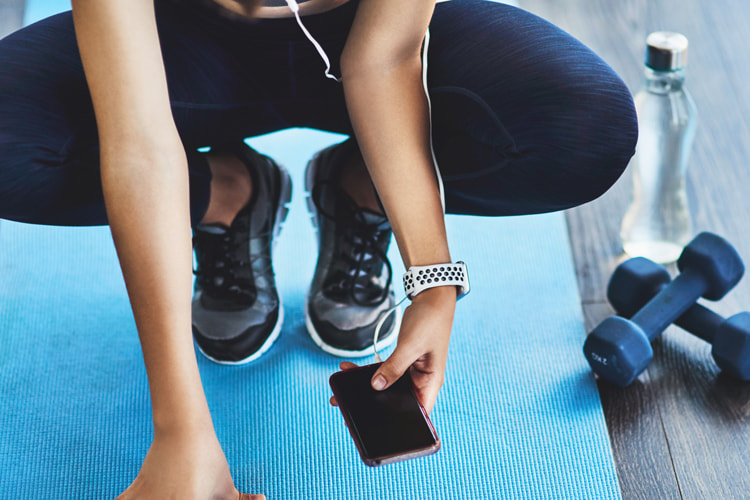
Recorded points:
(361, 254)
(219, 257)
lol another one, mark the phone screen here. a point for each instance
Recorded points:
(384, 423)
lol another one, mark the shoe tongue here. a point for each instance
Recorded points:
(217, 228)
(347, 207)
(372, 218)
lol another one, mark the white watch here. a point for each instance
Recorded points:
(419, 278)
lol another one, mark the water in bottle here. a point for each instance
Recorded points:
(657, 223)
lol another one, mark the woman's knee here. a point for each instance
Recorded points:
(593, 136)
(557, 127)
(18, 183)
(40, 185)
(27, 184)
(574, 155)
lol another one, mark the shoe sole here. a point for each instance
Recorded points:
(257, 354)
(282, 211)
(312, 167)
(342, 353)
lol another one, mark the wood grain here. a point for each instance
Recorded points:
(683, 429)
(639, 442)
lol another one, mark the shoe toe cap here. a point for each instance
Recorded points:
(233, 336)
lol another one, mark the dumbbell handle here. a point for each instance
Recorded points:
(670, 303)
(701, 322)
(698, 320)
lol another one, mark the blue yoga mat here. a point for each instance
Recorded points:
(519, 415)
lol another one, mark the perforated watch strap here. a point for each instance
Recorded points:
(420, 278)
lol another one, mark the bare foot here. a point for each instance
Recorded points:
(187, 468)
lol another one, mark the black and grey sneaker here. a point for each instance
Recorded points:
(352, 287)
(237, 312)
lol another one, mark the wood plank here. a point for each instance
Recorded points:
(639, 443)
(11, 16)
(705, 418)
(644, 465)
(704, 415)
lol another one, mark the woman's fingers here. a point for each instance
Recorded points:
(428, 385)
(394, 367)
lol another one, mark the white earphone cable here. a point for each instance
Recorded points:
(295, 9)
(380, 325)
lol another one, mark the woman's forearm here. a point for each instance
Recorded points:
(145, 184)
(147, 205)
(389, 112)
(381, 72)
(382, 76)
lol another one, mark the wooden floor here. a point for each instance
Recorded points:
(682, 430)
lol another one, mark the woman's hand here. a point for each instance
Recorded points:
(381, 69)
(185, 465)
(422, 346)
(146, 190)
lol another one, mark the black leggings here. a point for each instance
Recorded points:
(525, 118)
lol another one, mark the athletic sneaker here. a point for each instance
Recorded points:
(352, 286)
(237, 312)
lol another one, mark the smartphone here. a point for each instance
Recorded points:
(387, 426)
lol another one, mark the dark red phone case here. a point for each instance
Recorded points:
(351, 426)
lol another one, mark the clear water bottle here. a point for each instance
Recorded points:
(657, 224)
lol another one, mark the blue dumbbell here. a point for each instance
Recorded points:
(638, 280)
(619, 349)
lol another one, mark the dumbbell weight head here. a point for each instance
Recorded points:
(719, 263)
(618, 350)
(634, 283)
(710, 268)
(637, 280)
(731, 348)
